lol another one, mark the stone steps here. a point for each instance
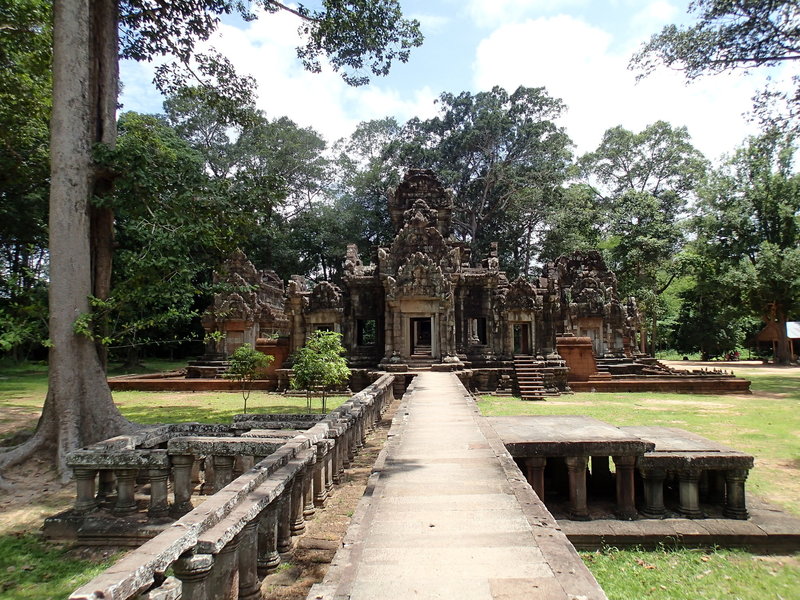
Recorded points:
(530, 381)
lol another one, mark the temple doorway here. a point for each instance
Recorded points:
(421, 341)
(522, 338)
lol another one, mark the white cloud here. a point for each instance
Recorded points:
(488, 13)
(574, 62)
(654, 16)
(431, 23)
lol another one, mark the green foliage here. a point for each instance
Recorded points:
(731, 35)
(505, 158)
(748, 229)
(357, 37)
(245, 363)
(25, 84)
(320, 364)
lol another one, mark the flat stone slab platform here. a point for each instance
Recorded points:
(769, 530)
(447, 514)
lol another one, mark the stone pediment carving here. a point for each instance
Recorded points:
(419, 277)
(416, 238)
(421, 185)
(325, 296)
(521, 295)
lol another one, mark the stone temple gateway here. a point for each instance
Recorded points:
(425, 301)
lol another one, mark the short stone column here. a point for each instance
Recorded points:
(285, 521)
(224, 579)
(735, 501)
(576, 470)
(209, 476)
(159, 507)
(653, 492)
(268, 557)
(298, 504)
(126, 492)
(105, 486)
(338, 459)
(249, 588)
(309, 473)
(84, 489)
(626, 492)
(223, 471)
(193, 570)
(320, 489)
(182, 466)
(534, 467)
(329, 465)
(689, 493)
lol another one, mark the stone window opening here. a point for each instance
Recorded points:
(366, 332)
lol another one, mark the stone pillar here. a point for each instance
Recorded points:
(159, 507)
(84, 489)
(285, 521)
(223, 471)
(224, 579)
(330, 463)
(182, 465)
(193, 571)
(653, 493)
(735, 502)
(320, 491)
(308, 489)
(209, 476)
(338, 460)
(249, 588)
(106, 486)
(534, 465)
(576, 469)
(689, 491)
(268, 557)
(126, 489)
(298, 503)
(626, 492)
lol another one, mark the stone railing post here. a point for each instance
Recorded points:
(126, 489)
(193, 571)
(285, 521)
(223, 471)
(626, 492)
(689, 493)
(320, 489)
(268, 557)
(298, 503)
(159, 507)
(106, 486)
(653, 492)
(224, 579)
(309, 472)
(735, 501)
(249, 588)
(534, 465)
(182, 468)
(576, 470)
(84, 489)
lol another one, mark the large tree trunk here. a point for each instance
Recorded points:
(783, 349)
(78, 409)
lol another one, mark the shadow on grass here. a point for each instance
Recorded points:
(151, 415)
(776, 384)
(32, 568)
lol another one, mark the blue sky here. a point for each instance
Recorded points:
(577, 49)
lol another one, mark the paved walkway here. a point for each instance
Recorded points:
(448, 515)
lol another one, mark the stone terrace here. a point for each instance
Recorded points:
(447, 514)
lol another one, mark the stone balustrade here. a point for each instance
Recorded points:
(222, 547)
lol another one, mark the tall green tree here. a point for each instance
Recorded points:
(731, 35)
(643, 181)
(25, 83)
(749, 225)
(504, 156)
(357, 37)
(320, 365)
